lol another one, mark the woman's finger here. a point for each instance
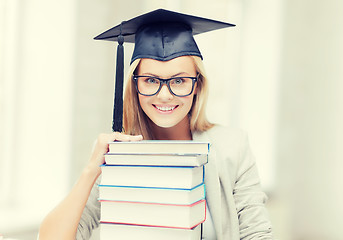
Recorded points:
(116, 136)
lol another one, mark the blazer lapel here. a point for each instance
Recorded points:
(213, 194)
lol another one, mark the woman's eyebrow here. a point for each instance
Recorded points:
(179, 74)
(154, 75)
(148, 74)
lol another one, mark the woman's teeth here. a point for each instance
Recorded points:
(165, 108)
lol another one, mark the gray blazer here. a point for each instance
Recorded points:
(233, 190)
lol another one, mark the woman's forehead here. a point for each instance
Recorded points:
(167, 68)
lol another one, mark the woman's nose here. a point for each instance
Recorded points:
(164, 93)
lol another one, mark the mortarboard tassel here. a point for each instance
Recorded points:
(117, 123)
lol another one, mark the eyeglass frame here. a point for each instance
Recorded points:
(165, 81)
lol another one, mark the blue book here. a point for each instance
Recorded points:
(152, 176)
(152, 195)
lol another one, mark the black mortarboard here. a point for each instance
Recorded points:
(161, 35)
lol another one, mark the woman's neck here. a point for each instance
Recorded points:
(180, 131)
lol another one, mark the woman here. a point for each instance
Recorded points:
(165, 99)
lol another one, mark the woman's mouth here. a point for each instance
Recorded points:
(165, 109)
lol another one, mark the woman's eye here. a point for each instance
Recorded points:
(178, 81)
(151, 80)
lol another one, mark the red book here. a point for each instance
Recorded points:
(153, 214)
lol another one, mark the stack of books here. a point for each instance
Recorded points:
(153, 190)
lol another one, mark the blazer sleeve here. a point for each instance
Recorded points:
(249, 198)
(91, 215)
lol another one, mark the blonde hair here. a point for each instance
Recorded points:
(135, 121)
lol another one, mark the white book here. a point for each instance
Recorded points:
(156, 159)
(159, 147)
(153, 214)
(132, 232)
(152, 195)
(152, 176)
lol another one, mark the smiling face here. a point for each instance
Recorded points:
(164, 109)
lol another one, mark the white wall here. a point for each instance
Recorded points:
(309, 151)
(36, 87)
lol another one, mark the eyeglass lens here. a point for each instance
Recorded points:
(179, 86)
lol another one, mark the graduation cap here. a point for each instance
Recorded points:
(161, 35)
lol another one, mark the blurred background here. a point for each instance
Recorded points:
(277, 74)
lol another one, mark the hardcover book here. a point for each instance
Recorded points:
(130, 232)
(159, 147)
(152, 195)
(153, 214)
(152, 176)
(195, 160)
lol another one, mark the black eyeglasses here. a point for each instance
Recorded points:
(178, 86)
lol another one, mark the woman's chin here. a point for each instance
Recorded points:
(165, 125)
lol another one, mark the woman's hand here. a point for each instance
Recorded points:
(62, 222)
(101, 147)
